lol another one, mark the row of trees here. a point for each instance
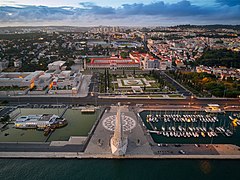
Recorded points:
(105, 81)
(207, 84)
(221, 57)
(161, 81)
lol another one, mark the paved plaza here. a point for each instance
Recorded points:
(137, 141)
(128, 123)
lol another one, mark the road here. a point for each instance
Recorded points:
(93, 100)
(181, 89)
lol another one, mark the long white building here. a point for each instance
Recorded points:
(35, 121)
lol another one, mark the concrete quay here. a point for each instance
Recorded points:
(79, 155)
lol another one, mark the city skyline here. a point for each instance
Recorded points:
(120, 13)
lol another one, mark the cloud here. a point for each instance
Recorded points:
(182, 8)
(33, 13)
(228, 2)
(94, 9)
(154, 13)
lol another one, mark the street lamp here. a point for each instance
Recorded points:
(191, 99)
(96, 97)
(19, 105)
(224, 93)
(57, 105)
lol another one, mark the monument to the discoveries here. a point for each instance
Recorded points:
(118, 141)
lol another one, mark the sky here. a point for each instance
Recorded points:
(118, 13)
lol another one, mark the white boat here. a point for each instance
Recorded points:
(196, 134)
(190, 134)
(223, 130)
(218, 129)
(167, 134)
(165, 119)
(204, 129)
(209, 134)
(228, 132)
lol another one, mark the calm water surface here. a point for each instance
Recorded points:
(119, 169)
(79, 124)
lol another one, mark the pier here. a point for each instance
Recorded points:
(63, 112)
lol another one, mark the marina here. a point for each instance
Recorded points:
(191, 126)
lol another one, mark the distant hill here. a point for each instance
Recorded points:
(211, 27)
(30, 29)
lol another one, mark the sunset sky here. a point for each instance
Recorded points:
(122, 12)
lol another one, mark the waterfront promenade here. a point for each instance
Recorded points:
(226, 152)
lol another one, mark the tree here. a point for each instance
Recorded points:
(69, 63)
(124, 54)
(108, 80)
(5, 118)
(105, 81)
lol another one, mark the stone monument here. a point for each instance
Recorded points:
(118, 141)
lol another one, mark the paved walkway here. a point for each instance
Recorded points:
(109, 156)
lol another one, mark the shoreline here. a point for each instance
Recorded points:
(76, 155)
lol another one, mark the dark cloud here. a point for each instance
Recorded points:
(29, 13)
(228, 2)
(182, 10)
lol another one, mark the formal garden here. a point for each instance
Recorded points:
(131, 83)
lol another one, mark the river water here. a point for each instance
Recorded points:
(118, 169)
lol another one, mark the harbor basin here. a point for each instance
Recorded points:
(79, 124)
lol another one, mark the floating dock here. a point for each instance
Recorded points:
(88, 110)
